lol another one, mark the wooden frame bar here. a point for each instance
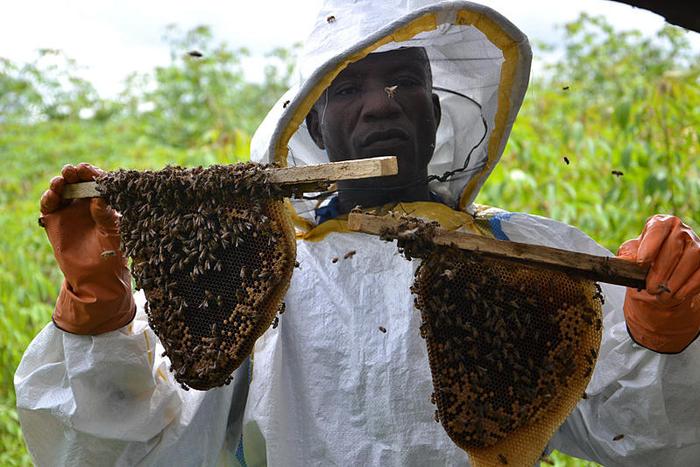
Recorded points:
(307, 176)
(610, 270)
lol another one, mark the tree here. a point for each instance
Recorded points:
(203, 96)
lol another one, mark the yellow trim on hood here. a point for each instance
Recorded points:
(297, 221)
(511, 55)
(482, 22)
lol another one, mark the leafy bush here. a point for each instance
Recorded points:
(46, 88)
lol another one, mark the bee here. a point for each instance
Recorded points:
(330, 19)
(618, 437)
(349, 254)
(565, 88)
(448, 274)
(566, 159)
(598, 324)
(334, 260)
(617, 173)
(584, 396)
(391, 91)
(275, 322)
(382, 329)
(286, 103)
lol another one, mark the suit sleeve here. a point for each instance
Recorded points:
(110, 400)
(649, 398)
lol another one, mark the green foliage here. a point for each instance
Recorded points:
(47, 88)
(199, 100)
(633, 105)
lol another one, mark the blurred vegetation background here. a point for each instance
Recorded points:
(608, 135)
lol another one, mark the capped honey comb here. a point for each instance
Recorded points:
(213, 249)
(511, 348)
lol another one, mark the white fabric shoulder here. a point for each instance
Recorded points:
(110, 400)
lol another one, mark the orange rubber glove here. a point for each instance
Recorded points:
(665, 317)
(96, 293)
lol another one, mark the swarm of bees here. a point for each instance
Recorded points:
(213, 249)
(511, 348)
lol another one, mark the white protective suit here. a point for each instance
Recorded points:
(327, 387)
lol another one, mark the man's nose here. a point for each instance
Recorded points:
(380, 103)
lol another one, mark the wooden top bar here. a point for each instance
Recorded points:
(289, 176)
(610, 270)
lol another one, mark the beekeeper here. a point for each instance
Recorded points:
(439, 85)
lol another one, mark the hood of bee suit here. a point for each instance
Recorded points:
(480, 65)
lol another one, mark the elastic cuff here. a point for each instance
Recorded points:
(663, 352)
(90, 331)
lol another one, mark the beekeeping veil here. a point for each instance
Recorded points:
(480, 65)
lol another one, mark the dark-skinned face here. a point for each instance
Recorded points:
(381, 105)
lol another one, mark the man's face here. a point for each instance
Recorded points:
(382, 105)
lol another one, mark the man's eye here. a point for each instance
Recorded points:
(346, 90)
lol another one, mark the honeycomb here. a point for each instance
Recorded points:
(213, 249)
(511, 348)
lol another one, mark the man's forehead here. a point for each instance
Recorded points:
(409, 58)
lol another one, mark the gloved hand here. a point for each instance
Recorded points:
(96, 293)
(665, 317)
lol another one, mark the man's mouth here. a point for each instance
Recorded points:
(385, 138)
